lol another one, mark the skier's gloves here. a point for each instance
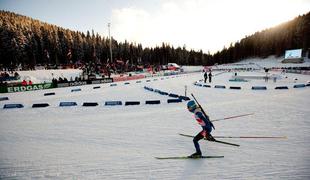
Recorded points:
(209, 137)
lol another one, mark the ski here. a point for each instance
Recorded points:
(223, 142)
(188, 157)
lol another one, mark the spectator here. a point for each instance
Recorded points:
(60, 80)
(210, 77)
(16, 75)
(274, 79)
(54, 82)
(205, 76)
(6, 75)
(24, 83)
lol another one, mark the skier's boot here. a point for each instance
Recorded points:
(195, 155)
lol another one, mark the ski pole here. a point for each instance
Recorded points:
(250, 137)
(223, 142)
(231, 117)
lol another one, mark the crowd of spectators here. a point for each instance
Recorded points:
(90, 69)
(55, 81)
(5, 76)
(25, 83)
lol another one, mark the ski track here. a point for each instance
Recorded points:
(121, 142)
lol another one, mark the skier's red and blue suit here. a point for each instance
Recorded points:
(206, 125)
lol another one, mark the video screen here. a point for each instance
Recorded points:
(292, 54)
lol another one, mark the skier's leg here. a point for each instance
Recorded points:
(195, 140)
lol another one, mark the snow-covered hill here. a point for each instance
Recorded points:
(120, 142)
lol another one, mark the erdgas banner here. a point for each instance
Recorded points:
(29, 87)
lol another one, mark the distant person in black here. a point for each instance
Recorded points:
(266, 77)
(205, 76)
(210, 77)
(54, 82)
(109, 73)
(60, 80)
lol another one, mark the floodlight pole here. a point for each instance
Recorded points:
(109, 25)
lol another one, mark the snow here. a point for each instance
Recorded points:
(120, 142)
(269, 62)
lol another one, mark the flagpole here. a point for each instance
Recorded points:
(109, 25)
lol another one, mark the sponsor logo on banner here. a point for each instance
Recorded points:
(101, 81)
(29, 87)
(77, 83)
(73, 83)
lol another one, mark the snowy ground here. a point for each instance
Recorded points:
(269, 62)
(121, 142)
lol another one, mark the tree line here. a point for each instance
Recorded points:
(294, 34)
(28, 42)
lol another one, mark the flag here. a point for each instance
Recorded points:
(69, 55)
(47, 54)
(120, 62)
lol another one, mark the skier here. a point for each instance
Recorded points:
(206, 125)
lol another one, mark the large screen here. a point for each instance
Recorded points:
(292, 54)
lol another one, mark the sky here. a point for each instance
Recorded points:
(206, 25)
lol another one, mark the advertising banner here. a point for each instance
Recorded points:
(101, 81)
(72, 83)
(33, 87)
(126, 78)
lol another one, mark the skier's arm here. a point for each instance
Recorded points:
(204, 123)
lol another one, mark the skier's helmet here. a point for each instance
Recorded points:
(191, 106)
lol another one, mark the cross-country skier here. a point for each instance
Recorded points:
(206, 125)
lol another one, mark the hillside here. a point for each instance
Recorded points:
(120, 142)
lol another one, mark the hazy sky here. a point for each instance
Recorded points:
(199, 24)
